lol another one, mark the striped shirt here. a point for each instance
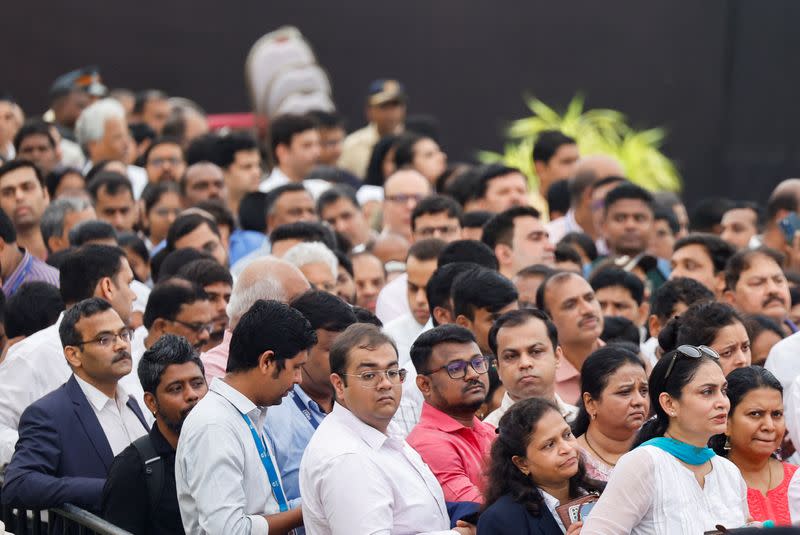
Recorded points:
(30, 269)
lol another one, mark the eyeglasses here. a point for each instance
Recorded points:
(694, 352)
(196, 327)
(403, 198)
(108, 339)
(458, 368)
(372, 379)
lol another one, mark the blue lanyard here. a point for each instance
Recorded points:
(266, 460)
(307, 413)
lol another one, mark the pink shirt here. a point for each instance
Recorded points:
(568, 382)
(454, 453)
(215, 360)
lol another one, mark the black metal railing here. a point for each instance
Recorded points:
(68, 519)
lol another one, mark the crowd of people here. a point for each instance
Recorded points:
(310, 331)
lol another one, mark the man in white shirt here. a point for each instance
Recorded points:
(36, 365)
(295, 144)
(420, 265)
(68, 438)
(356, 475)
(436, 216)
(525, 343)
(225, 472)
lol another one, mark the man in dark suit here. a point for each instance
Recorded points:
(68, 438)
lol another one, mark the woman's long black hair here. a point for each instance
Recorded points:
(514, 433)
(683, 371)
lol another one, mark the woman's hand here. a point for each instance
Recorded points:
(464, 528)
(575, 528)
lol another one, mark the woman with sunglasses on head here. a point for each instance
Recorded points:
(613, 407)
(755, 431)
(713, 324)
(534, 467)
(672, 482)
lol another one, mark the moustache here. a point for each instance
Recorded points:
(473, 384)
(588, 318)
(121, 356)
(774, 299)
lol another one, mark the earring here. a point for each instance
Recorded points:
(524, 471)
(727, 446)
(594, 416)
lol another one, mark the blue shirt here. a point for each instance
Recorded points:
(289, 432)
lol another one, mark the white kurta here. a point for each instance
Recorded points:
(651, 493)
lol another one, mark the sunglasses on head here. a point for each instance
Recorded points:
(692, 352)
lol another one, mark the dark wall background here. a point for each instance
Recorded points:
(720, 75)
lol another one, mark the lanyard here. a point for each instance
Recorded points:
(307, 413)
(266, 460)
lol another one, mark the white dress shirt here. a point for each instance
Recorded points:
(356, 480)
(32, 368)
(392, 301)
(783, 360)
(551, 502)
(278, 178)
(569, 412)
(120, 424)
(404, 331)
(558, 228)
(651, 493)
(221, 482)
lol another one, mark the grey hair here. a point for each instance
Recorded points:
(311, 253)
(91, 124)
(246, 293)
(52, 223)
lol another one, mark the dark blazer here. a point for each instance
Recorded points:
(62, 455)
(507, 517)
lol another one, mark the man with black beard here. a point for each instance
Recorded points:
(140, 495)
(452, 376)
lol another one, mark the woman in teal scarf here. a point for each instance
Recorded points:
(672, 482)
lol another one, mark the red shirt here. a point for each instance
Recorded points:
(775, 505)
(454, 453)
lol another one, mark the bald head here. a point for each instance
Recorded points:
(265, 278)
(600, 165)
(406, 181)
(402, 191)
(390, 247)
(202, 181)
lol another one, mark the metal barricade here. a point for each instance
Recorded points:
(67, 519)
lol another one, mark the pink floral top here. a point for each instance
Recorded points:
(775, 505)
(595, 468)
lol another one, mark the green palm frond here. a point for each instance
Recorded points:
(597, 131)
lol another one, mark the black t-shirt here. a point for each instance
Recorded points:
(126, 502)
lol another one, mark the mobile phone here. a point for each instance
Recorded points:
(789, 225)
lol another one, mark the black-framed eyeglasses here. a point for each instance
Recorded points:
(196, 327)
(373, 378)
(108, 339)
(457, 369)
(693, 352)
